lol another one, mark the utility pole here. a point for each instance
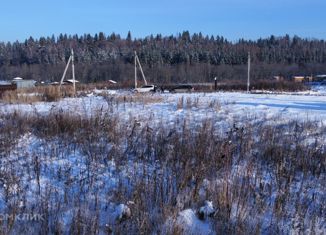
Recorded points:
(135, 69)
(141, 70)
(71, 59)
(248, 81)
(73, 71)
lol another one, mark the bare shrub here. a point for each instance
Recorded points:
(16, 96)
(180, 103)
(37, 94)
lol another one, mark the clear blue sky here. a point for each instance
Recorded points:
(232, 19)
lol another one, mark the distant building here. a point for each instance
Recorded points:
(6, 86)
(303, 79)
(54, 83)
(279, 78)
(16, 83)
(4, 83)
(298, 78)
(22, 83)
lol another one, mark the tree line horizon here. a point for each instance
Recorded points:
(177, 58)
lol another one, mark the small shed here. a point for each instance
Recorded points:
(22, 83)
(298, 79)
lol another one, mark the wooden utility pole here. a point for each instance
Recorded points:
(73, 71)
(248, 80)
(135, 69)
(71, 59)
(141, 70)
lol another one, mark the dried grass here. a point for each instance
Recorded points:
(170, 164)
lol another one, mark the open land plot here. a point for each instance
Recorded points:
(205, 163)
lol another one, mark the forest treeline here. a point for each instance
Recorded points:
(179, 58)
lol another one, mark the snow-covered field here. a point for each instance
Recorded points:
(196, 105)
(56, 171)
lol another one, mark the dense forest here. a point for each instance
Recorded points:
(180, 58)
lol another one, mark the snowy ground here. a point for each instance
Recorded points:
(166, 108)
(223, 108)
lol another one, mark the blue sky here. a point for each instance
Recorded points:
(232, 19)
